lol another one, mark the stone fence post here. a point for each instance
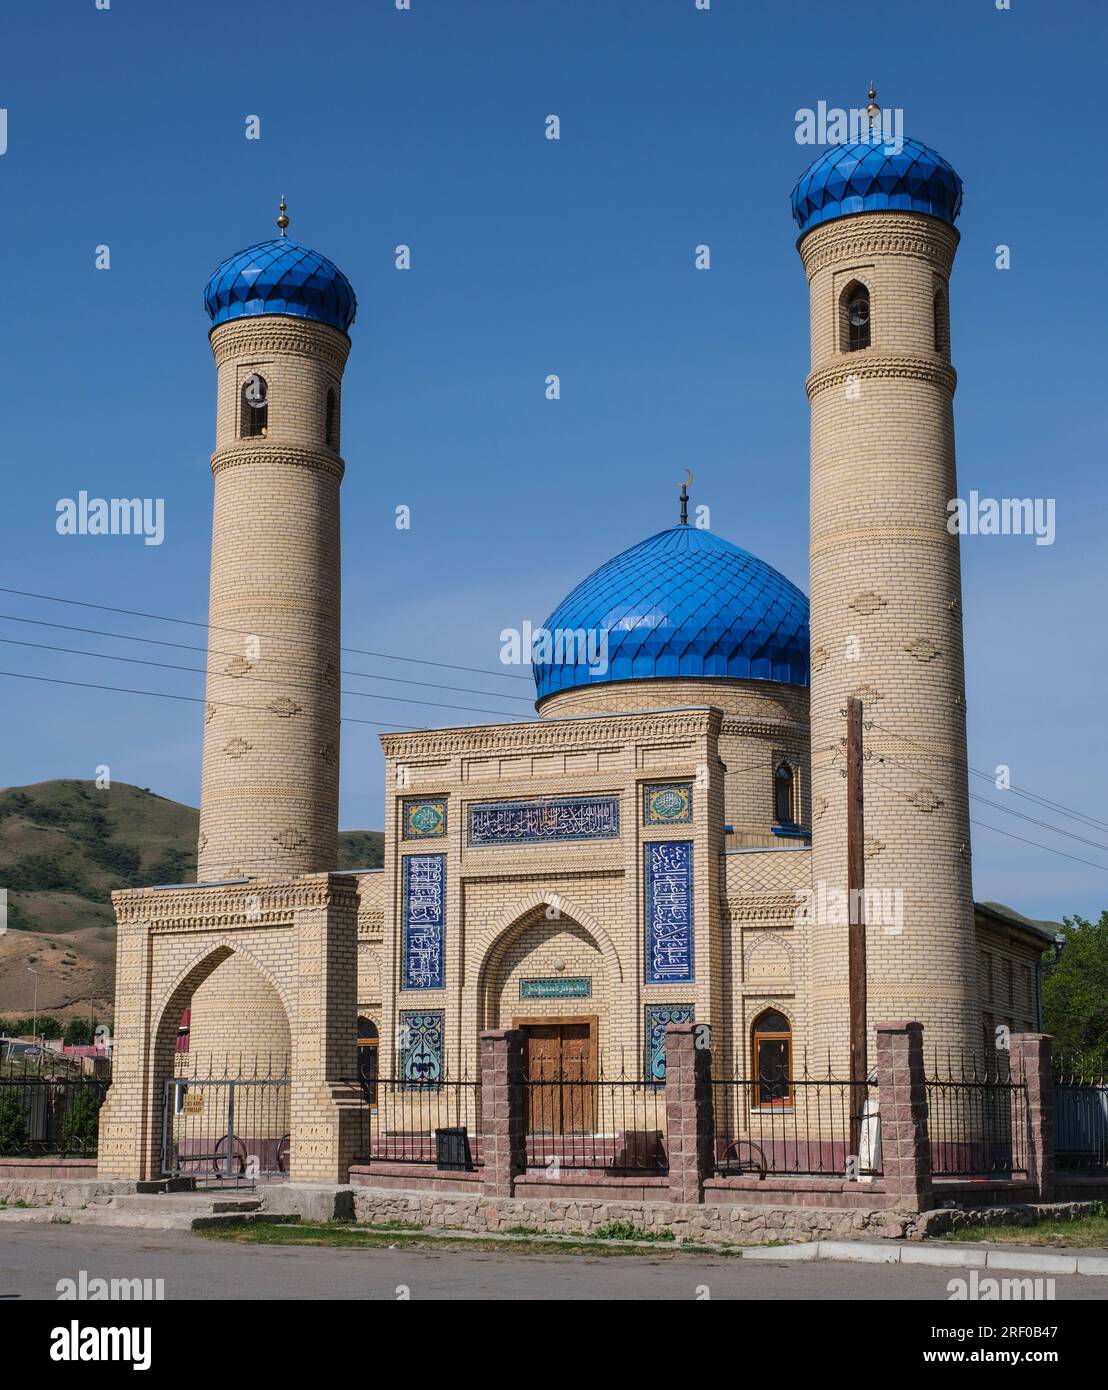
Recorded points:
(1033, 1124)
(902, 1098)
(690, 1122)
(503, 1123)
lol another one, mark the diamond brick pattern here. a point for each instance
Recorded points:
(862, 177)
(683, 603)
(281, 277)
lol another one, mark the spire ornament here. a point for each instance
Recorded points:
(283, 219)
(685, 497)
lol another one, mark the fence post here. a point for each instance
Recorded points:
(503, 1123)
(1031, 1063)
(902, 1098)
(690, 1122)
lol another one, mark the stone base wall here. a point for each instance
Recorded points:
(735, 1225)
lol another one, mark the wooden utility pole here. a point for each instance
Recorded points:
(856, 882)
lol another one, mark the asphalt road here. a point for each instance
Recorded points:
(34, 1257)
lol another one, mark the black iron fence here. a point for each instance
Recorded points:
(1080, 1118)
(226, 1128)
(50, 1105)
(406, 1121)
(579, 1121)
(977, 1120)
(803, 1126)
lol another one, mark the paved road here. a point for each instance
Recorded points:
(34, 1257)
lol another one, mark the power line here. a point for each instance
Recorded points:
(195, 699)
(981, 825)
(241, 632)
(213, 651)
(269, 680)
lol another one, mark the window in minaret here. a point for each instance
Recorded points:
(942, 324)
(857, 318)
(772, 1056)
(254, 407)
(331, 428)
(784, 795)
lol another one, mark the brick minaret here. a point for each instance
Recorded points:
(878, 242)
(269, 803)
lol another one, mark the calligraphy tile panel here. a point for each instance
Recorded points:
(424, 820)
(667, 803)
(528, 822)
(669, 911)
(654, 1034)
(424, 907)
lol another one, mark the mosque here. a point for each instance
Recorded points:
(662, 842)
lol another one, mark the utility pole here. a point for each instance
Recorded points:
(856, 883)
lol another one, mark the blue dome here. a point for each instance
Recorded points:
(861, 177)
(281, 277)
(683, 603)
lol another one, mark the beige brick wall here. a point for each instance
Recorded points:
(886, 588)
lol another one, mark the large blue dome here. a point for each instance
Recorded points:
(683, 603)
(281, 277)
(862, 177)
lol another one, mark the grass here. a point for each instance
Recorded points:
(348, 1236)
(1083, 1232)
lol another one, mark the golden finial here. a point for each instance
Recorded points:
(873, 111)
(283, 220)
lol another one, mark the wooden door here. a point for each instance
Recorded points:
(559, 1060)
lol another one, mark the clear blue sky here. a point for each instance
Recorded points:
(126, 127)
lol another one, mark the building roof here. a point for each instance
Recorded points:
(685, 602)
(862, 176)
(280, 277)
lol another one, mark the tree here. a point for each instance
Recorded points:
(82, 1121)
(14, 1137)
(1075, 993)
(78, 1032)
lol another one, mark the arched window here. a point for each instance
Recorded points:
(771, 1052)
(942, 323)
(254, 407)
(784, 795)
(368, 1044)
(331, 431)
(854, 318)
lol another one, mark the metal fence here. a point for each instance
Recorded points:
(405, 1121)
(804, 1126)
(225, 1129)
(579, 1121)
(1080, 1118)
(50, 1115)
(977, 1121)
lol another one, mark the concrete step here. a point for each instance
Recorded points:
(184, 1203)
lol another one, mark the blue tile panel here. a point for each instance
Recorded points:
(424, 917)
(658, 1016)
(280, 277)
(424, 820)
(682, 603)
(861, 177)
(561, 818)
(668, 871)
(421, 1045)
(667, 803)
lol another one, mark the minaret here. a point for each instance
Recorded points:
(269, 802)
(877, 240)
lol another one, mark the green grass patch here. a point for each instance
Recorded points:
(1081, 1233)
(348, 1236)
(623, 1230)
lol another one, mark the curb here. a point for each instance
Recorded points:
(859, 1252)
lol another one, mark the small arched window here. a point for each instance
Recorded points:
(254, 407)
(857, 318)
(368, 1045)
(771, 1052)
(331, 427)
(784, 795)
(942, 323)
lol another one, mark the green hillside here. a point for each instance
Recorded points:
(64, 846)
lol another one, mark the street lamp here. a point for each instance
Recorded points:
(34, 1021)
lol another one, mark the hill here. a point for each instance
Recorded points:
(64, 846)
